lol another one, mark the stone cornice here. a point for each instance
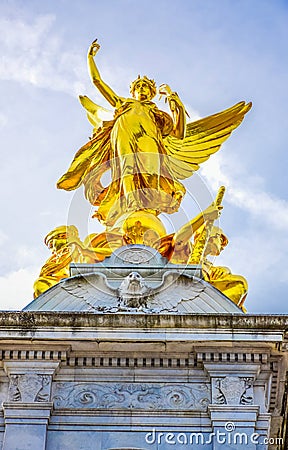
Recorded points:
(32, 320)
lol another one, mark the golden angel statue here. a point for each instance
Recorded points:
(147, 150)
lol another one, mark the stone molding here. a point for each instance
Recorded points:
(237, 356)
(28, 321)
(219, 370)
(24, 367)
(27, 413)
(127, 359)
(195, 359)
(242, 417)
(18, 351)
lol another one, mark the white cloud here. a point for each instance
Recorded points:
(17, 288)
(15, 256)
(269, 208)
(32, 53)
(27, 256)
(246, 192)
(261, 246)
(253, 255)
(24, 35)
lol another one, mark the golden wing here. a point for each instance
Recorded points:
(203, 138)
(95, 113)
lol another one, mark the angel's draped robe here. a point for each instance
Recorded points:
(131, 146)
(146, 161)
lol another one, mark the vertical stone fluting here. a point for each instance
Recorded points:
(236, 419)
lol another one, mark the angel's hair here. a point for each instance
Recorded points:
(151, 83)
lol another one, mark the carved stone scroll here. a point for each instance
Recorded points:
(195, 397)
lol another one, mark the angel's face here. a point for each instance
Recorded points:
(142, 91)
(56, 243)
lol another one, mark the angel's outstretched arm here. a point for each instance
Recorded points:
(102, 87)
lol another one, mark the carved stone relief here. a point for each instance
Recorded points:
(136, 255)
(194, 396)
(232, 391)
(29, 388)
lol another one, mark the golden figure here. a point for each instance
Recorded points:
(139, 229)
(147, 150)
(199, 247)
(178, 247)
(66, 247)
(106, 241)
(233, 286)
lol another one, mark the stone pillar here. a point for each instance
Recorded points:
(28, 409)
(234, 427)
(233, 412)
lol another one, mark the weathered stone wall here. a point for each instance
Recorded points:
(86, 381)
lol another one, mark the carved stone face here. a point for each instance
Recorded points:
(132, 290)
(132, 284)
(135, 278)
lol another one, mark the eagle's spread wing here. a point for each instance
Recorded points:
(174, 290)
(90, 292)
(181, 293)
(203, 138)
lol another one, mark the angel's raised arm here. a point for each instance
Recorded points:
(177, 109)
(102, 87)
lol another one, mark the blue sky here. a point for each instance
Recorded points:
(213, 53)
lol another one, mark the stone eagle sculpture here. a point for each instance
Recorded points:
(174, 293)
